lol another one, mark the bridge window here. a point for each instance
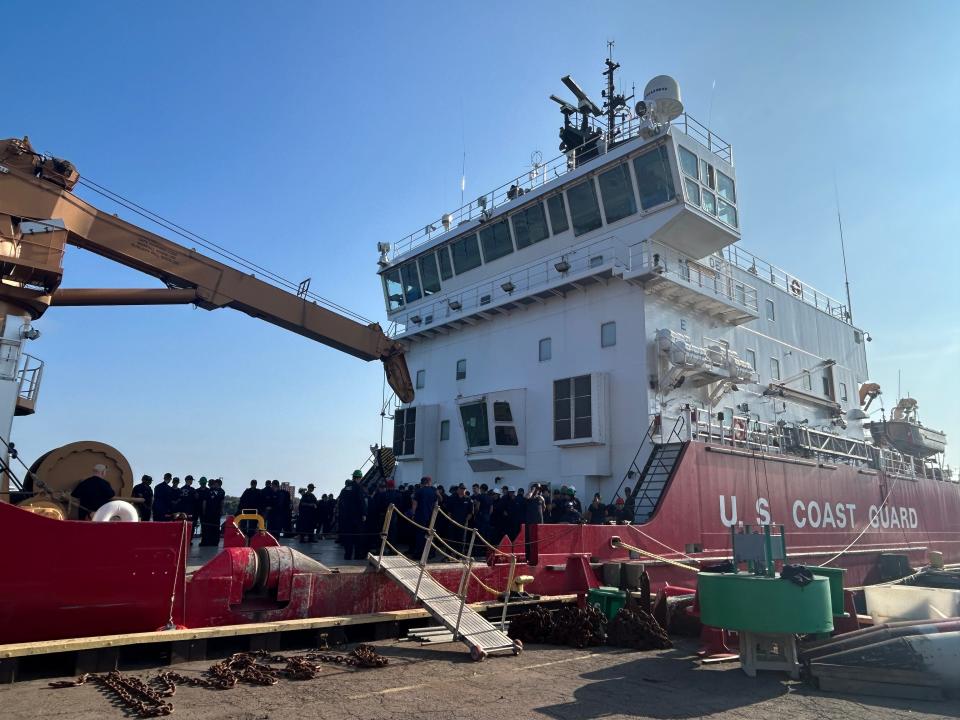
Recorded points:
(843, 391)
(393, 288)
(421, 379)
(429, 274)
(771, 310)
(530, 226)
(688, 163)
(505, 435)
(558, 214)
(446, 268)
(709, 202)
(461, 369)
(693, 191)
(475, 429)
(751, 358)
(572, 408)
(654, 179)
(725, 188)
(466, 254)
(706, 174)
(404, 431)
(727, 213)
(774, 369)
(584, 210)
(411, 282)
(616, 189)
(496, 241)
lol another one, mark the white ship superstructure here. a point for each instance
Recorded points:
(549, 320)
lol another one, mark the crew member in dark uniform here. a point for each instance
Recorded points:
(281, 509)
(351, 508)
(162, 500)
(145, 493)
(210, 517)
(424, 500)
(307, 515)
(175, 493)
(93, 493)
(188, 504)
(460, 509)
(267, 502)
(202, 496)
(250, 499)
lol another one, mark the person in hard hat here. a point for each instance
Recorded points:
(93, 493)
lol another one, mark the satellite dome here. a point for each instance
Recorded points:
(663, 94)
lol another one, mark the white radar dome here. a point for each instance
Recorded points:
(663, 95)
(116, 511)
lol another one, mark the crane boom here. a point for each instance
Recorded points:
(35, 188)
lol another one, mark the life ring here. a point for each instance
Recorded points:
(796, 288)
(739, 429)
(116, 511)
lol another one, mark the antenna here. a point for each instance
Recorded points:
(585, 102)
(843, 250)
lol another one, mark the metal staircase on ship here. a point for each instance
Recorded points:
(664, 451)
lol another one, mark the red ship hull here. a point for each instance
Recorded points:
(72, 579)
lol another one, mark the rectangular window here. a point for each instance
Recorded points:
(444, 430)
(843, 391)
(706, 174)
(393, 289)
(495, 240)
(725, 188)
(616, 189)
(529, 226)
(404, 431)
(693, 191)
(807, 382)
(572, 408)
(505, 435)
(429, 274)
(466, 254)
(709, 202)
(608, 334)
(475, 427)
(446, 267)
(751, 357)
(584, 210)
(771, 311)
(558, 214)
(774, 369)
(421, 378)
(654, 179)
(596, 261)
(827, 387)
(501, 411)
(461, 369)
(688, 163)
(546, 351)
(727, 213)
(411, 282)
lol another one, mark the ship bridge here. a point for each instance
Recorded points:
(652, 208)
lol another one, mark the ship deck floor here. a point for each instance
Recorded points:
(439, 681)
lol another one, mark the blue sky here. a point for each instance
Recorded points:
(300, 134)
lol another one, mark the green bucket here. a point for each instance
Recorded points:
(608, 599)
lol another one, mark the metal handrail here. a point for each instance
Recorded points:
(543, 174)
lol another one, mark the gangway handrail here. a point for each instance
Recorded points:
(433, 541)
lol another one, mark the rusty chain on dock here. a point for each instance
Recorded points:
(253, 668)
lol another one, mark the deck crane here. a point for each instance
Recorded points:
(39, 216)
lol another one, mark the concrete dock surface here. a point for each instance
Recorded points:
(439, 681)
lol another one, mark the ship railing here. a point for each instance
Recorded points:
(540, 174)
(738, 431)
(29, 375)
(773, 275)
(595, 256)
(683, 269)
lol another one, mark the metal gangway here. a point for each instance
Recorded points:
(449, 608)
